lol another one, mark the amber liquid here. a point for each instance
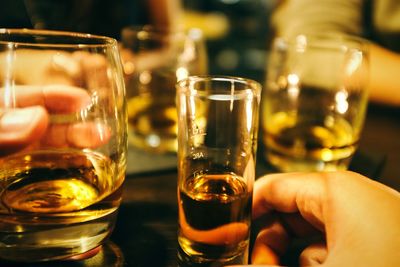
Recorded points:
(311, 139)
(56, 204)
(211, 206)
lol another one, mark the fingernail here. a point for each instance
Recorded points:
(18, 119)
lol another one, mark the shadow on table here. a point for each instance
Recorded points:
(146, 234)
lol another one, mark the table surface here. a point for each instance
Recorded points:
(145, 234)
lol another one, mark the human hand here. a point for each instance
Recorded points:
(29, 123)
(359, 217)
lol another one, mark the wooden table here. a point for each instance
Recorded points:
(145, 234)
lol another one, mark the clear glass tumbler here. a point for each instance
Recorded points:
(154, 60)
(63, 142)
(217, 141)
(314, 102)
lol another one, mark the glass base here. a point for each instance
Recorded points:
(289, 164)
(186, 260)
(36, 243)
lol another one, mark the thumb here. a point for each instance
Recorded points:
(313, 255)
(21, 127)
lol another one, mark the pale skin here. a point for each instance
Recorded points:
(359, 217)
(26, 124)
(384, 70)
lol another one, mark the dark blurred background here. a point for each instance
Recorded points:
(240, 47)
(103, 17)
(236, 31)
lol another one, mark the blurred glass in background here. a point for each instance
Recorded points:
(237, 33)
(154, 60)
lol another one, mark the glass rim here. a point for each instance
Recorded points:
(152, 31)
(84, 39)
(308, 40)
(182, 87)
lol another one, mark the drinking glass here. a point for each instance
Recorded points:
(217, 141)
(63, 142)
(154, 60)
(315, 101)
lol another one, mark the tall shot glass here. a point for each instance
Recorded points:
(217, 141)
(63, 142)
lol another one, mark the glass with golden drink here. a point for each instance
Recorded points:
(61, 175)
(217, 137)
(154, 60)
(314, 102)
